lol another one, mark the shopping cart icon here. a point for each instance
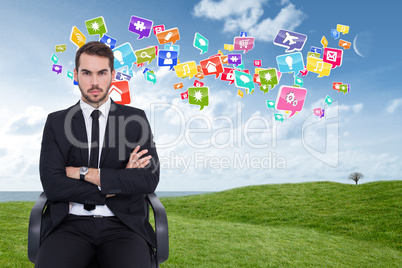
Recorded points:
(243, 43)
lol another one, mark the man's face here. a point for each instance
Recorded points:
(94, 78)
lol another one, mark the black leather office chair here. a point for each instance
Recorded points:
(161, 252)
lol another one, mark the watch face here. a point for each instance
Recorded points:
(83, 170)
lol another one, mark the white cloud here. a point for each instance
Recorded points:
(393, 105)
(247, 15)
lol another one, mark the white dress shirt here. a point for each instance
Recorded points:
(76, 208)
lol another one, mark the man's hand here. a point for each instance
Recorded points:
(136, 161)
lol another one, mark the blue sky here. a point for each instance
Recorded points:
(215, 148)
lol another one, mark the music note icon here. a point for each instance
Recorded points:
(319, 63)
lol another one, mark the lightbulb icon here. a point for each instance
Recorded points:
(289, 62)
(119, 56)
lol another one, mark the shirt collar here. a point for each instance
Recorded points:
(88, 109)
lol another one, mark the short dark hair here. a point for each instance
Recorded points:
(95, 48)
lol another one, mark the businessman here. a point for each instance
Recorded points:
(97, 162)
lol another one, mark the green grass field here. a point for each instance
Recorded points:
(320, 224)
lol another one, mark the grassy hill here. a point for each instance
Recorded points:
(320, 224)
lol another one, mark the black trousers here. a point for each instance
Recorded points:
(79, 240)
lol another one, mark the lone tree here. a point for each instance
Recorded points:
(356, 176)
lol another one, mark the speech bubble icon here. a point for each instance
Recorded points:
(186, 69)
(124, 56)
(109, 41)
(278, 117)
(57, 68)
(268, 77)
(234, 59)
(258, 63)
(240, 93)
(61, 48)
(336, 85)
(292, 62)
(228, 75)
(167, 36)
(344, 29)
(212, 66)
(178, 86)
(312, 54)
(140, 26)
(291, 40)
(271, 104)
(318, 66)
(228, 47)
(344, 44)
(318, 111)
(333, 56)
(324, 41)
(201, 43)
(290, 99)
(335, 34)
(158, 28)
(150, 77)
(96, 26)
(344, 88)
(243, 43)
(184, 95)
(77, 37)
(244, 80)
(167, 58)
(299, 81)
(198, 96)
(70, 75)
(145, 55)
(264, 88)
(328, 100)
(54, 59)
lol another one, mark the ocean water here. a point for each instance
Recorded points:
(33, 196)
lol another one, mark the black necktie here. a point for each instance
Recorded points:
(94, 156)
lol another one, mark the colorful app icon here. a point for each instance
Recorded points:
(109, 41)
(243, 34)
(201, 43)
(234, 59)
(344, 44)
(316, 50)
(70, 75)
(291, 40)
(264, 88)
(328, 100)
(186, 69)
(271, 104)
(336, 85)
(335, 34)
(145, 55)
(54, 59)
(243, 43)
(324, 41)
(228, 47)
(344, 88)
(57, 68)
(278, 117)
(290, 99)
(77, 37)
(61, 48)
(159, 28)
(120, 92)
(292, 62)
(122, 76)
(178, 86)
(124, 56)
(299, 81)
(199, 74)
(184, 95)
(333, 56)
(304, 72)
(312, 54)
(318, 66)
(224, 60)
(240, 93)
(167, 36)
(318, 111)
(150, 77)
(173, 48)
(140, 26)
(198, 83)
(212, 66)
(342, 28)
(167, 58)
(228, 75)
(244, 80)
(198, 96)
(96, 26)
(258, 63)
(269, 78)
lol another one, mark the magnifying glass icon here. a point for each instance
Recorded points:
(144, 54)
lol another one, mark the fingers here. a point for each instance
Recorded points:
(136, 161)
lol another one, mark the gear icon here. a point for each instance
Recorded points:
(290, 97)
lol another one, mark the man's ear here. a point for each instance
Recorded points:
(113, 73)
(75, 75)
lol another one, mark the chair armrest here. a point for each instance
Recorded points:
(161, 228)
(34, 229)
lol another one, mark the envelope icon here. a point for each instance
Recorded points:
(332, 55)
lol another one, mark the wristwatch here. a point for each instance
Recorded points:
(83, 172)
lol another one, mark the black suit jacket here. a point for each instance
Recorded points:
(64, 143)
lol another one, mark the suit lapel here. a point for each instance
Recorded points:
(110, 140)
(80, 131)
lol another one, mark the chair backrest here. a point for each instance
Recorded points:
(161, 229)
